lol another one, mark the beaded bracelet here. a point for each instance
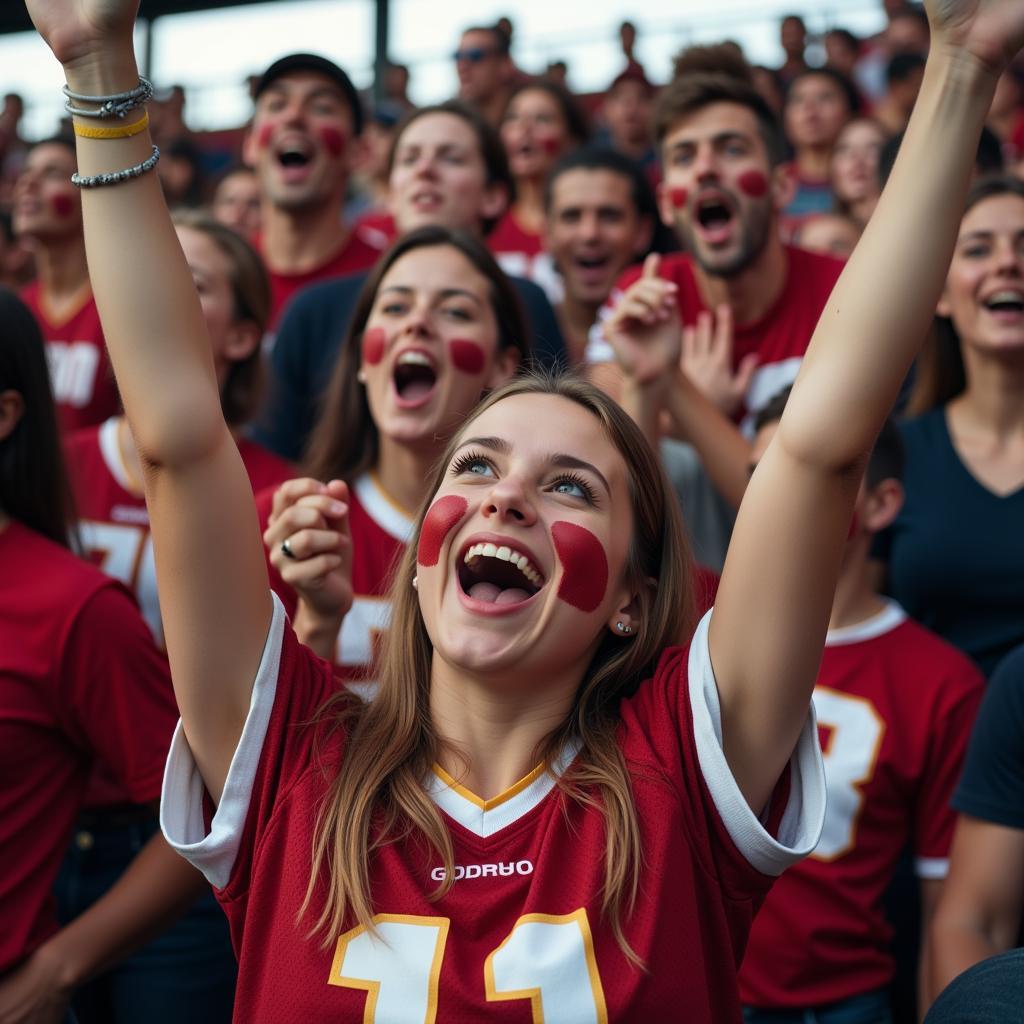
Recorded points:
(125, 131)
(116, 105)
(116, 177)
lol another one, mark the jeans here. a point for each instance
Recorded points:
(867, 1008)
(187, 974)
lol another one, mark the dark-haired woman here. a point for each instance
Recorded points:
(955, 553)
(81, 685)
(437, 325)
(542, 122)
(549, 809)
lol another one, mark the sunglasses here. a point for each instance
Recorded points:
(473, 54)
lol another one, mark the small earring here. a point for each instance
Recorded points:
(623, 628)
(361, 376)
(415, 583)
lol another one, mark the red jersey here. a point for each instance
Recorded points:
(779, 338)
(895, 706)
(520, 934)
(80, 683)
(114, 522)
(520, 253)
(80, 373)
(360, 252)
(380, 531)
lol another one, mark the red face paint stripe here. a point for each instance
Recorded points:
(263, 135)
(753, 183)
(63, 206)
(467, 356)
(374, 341)
(584, 566)
(442, 517)
(678, 197)
(333, 140)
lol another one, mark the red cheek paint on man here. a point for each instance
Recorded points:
(333, 140)
(753, 184)
(443, 516)
(466, 356)
(584, 566)
(264, 134)
(678, 196)
(62, 206)
(374, 341)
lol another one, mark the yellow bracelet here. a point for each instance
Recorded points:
(123, 132)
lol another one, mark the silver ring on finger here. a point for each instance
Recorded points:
(286, 549)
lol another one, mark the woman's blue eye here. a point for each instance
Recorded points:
(571, 488)
(479, 467)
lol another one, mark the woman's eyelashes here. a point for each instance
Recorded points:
(568, 485)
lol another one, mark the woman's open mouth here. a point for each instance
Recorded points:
(498, 575)
(414, 378)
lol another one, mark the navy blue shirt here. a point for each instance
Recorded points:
(956, 550)
(992, 786)
(309, 340)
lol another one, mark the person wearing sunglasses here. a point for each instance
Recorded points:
(485, 71)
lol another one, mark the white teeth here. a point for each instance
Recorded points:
(1006, 296)
(414, 359)
(506, 554)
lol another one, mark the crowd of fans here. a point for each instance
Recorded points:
(520, 224)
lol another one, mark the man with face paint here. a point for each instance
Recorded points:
(447, 167)
(47, 218)
(303, 144)
(895, 705)
(723, 191)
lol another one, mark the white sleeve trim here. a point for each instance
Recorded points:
(181, 802)
(932, 868)
(599, 349)
(801, 824)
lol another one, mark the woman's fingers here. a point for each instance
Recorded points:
(291, 491)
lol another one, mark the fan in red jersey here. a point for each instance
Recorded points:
(106, 474)
(81, 684)
(48, 217)
(724, 188)
(895, 705)
(549, 809)
(417, 358)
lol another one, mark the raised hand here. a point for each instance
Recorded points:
(313, 518)
(990, 31)
(644, 329)
(83, 30)
(707, 360)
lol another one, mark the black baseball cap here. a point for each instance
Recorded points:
(322, 66)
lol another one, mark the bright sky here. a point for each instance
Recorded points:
(211, 54)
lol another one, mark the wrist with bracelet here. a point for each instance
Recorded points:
(105, 108)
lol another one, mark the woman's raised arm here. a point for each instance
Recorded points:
(214, 597)
(777, 587)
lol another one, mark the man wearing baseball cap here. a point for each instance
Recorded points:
(303, 143)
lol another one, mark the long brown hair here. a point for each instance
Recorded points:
(392, 743)
(345, 443)
(939, 371)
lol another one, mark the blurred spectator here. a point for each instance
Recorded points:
(12, 148)
(167, 116)
(303, 143)
(181, 173)
(627, 107)
(448, 168)
(793, 37)
(903, 79)
(236, 202)
(600, 219)
(1006, 115)
(627, 40)
(396, 88)
(769, 85)
(855, 158)
(834, 234)
(965, 463)
(906, 32)
(543, 121)
(557, 73)
(16, 267)
(842, 51)
(48, 219)
(485, 71)
(989, 158)
(819, 102)
(370, 180)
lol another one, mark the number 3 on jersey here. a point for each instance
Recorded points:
(546, 959)
(850, 749)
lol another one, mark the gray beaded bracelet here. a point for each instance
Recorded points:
(116, 105)
(116, 177)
